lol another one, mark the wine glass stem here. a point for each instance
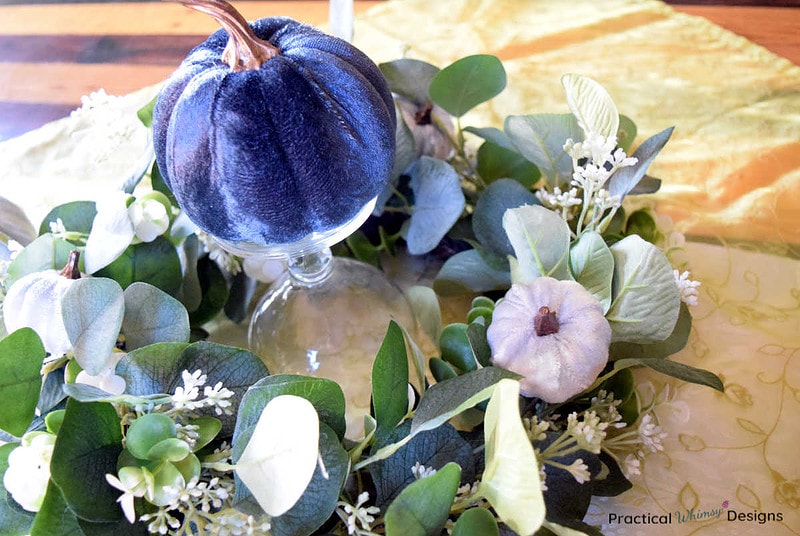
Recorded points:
(312, 268)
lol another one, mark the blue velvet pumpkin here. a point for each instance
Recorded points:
(271, 154)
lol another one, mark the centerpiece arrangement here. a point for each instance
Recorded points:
(120, 416)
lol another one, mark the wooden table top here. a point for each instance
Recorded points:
(55, 53)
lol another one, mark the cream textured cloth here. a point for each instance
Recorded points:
(731, 182)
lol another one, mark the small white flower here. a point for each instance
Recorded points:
(133, 482)
(589, 432)
(631, 466)
(149, 218)
(224, 260)
(358, 518)
(580, 471)
(686, 287)
(218, 397)
(185, 397)
(28, 470)
(420, 471)
(106, 379)
(650, 434)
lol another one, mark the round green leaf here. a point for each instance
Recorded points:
(171, 449)
(487, 219)
(147, 431)
(208, 428)
(496, 162)
(438, 203)
(476, 522)
(151, 316)
(409, 78)
(540, 138)
(455, 347)
(77, 216)
(467, 83)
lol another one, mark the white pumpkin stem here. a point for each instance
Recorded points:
(244, 51)
(71, 270)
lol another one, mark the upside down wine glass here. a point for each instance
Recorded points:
(325, 316)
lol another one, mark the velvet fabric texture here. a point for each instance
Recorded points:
(274, 154)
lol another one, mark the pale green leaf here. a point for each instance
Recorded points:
(468, 272)
(540, 239)
(511, 481)
(591, 104)
(279, 460)
(92, 309)
(21, 356)
(540, 138)
(592, 266)
(390, 380)
(438, 203)
(468, 82)
(426, 309)
(645, 301)
(151, 316)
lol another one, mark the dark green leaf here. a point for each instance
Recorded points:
(325, 395)
(476, 522)
(410, 78)
(145, 113)
(456, 349)
(487, 219)
(13, 519)
(625, 179)
(493, 135)
(77, 216)
(565, 498)
(614, 482)
(468, 82)
(683, 372)
(641, 222)
(496, 162)
(157, 369)
(433, 449)
(153, 262)
(54, 517)
(151, 316)
(214, 290)
(626, 132)
(540, 138)
(441, 369)
(390, 380)
(52, 393)
(476, 333)
(157, 181)
(86, 449)
(363, 249)
(423, 507)
(44, 253)
(21, 357)
(446, 399)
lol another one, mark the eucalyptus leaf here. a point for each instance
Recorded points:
(151, 316)
(92, 310)
(541, 240)
(89, 393)
(626, 132)
(591, 104)
(441, 369)
(86, 449)
(214, 291)
(487, 218)
(422, 508)
(77, 216)
(496, 162)
(647, 185)
(645, 299)
(44, 253)
(494, 136)
(540, 138)
(625, 179)
(318, 501)
(510, 480)
(455, 347)
(592, 265)
(279, 459)
(433, 449)
(390, 380)
(425, 306)
(438, 203)
(659, 349)
(468, 82)
(21, 356)
(410, 78)
(468, 272)
(15, 224)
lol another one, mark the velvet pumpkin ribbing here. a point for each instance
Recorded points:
(271, 155)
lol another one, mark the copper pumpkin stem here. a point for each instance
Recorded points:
(244, 49)
(71, 270)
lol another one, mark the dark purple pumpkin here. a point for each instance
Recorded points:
(286, 132)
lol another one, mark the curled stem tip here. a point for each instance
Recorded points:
(71, 270)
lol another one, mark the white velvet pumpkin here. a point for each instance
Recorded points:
(554, 334)
(34, 301)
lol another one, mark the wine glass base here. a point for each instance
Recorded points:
(331, 329)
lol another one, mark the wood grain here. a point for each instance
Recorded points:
(55, 53)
